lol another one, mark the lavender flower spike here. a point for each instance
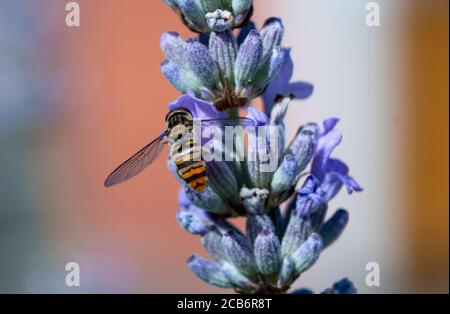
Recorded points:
(216, 75)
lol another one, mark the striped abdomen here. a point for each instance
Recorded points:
(187, 157)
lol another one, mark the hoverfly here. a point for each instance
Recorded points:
(190, 166)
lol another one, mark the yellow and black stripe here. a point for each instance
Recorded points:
(191, 168)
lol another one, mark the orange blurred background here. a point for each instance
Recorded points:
(110, 99)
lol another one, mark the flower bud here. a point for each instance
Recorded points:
(304, 144)
(183, 80)
(222, 180)
(307, 254)
(257, 223)
(194, 220)
(287, 273)
(240, 6)
(247, 59)
(219, 20)
(309, 198)
(212, 242)
(334, 227)
(297, 231)
(200, 62)
(261, 160)
(196, 14)
(222, 48)
(174, 47)
(207, 200)
(238, 280)
(286, 175)
(239, 252)
(254, 200)
(271, 34)
(193, 14)
(268, 69)
(209, 271)
(267, 253)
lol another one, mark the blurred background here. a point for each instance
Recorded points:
(75, 102)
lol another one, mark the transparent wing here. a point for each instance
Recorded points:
(239, 121)
(136, 163)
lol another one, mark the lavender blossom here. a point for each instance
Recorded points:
(217, 74)
(273, 252)
(224, 73)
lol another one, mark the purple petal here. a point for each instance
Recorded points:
(199, 109)
(259, 117)
(336, 176)
(350, 183)
(332, 173)
(300, 90)
(327, 143)
(329, 125)
(309, 186)
(279, 84)
(336, 166)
